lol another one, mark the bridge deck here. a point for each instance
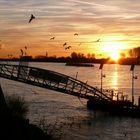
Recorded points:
(51, 80)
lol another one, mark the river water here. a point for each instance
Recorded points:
(69, 114)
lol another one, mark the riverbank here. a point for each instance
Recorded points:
(13, 126)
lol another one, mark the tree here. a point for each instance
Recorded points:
(74, 55)
(134, 53)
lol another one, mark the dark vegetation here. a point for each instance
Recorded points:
(13, 122)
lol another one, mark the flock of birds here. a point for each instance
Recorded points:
(52, 38)
(65, 45)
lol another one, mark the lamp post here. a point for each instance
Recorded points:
(76, 75)
(102, 76)
(133, 77)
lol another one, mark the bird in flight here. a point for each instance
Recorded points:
(97, 40)
(25, 47)
(31, 18)
(68, 47)
(65, 44)
(75, 34)
(52, 38)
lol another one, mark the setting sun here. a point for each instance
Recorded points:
(114, 55)
(113, 49)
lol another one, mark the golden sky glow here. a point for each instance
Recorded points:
(115, 22)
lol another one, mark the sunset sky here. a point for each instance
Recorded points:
(115, 22)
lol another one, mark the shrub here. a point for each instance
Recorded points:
(17, 106)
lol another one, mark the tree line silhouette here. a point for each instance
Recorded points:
(134, 58)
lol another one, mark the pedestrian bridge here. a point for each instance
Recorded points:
(69, 85)
(52, 80)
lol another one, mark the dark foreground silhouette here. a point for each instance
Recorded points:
(17, 128)
(20, 129)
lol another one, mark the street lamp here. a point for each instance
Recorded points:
(133, 77)
(76, 75)
(102, 75)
